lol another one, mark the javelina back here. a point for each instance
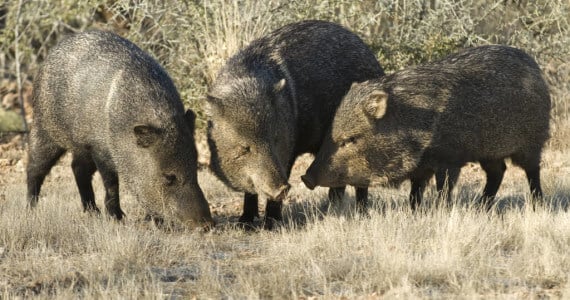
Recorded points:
(117, 110)
(483, 104)
(275, 100)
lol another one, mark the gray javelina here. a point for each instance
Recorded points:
(482, 104)
(116, 109)
(275, 100)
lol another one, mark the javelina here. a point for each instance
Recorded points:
(482, 104)
(117, 110)
(275, 100)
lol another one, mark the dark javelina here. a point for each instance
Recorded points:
(116, 109)
(275, 100)
(483, 104)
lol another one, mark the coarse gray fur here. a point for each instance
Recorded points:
(275, 100)
(483, 104)
(117, 111)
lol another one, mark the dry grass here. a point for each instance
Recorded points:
(58, 251)
(192, 39)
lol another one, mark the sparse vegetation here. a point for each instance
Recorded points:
(192, 39)
(57, 251)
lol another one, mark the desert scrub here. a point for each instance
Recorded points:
(192, 39)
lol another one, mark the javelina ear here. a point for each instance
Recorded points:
(356, 83)
(146, 135)
(375, 105)
(190, 118)
(279, 86)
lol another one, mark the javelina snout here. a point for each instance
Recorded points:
(192, 209)
(321, 174)
(269, 180)
(271, 191)
(314, 175)
(251, 166)
(326, 172)
(309, 181)
(201, 220)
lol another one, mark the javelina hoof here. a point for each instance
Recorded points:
(362, 201)
(270, 224)
(247, 226)
(247, 222)
(250, 208)
(272, 214)
(93, 211)
(537, 199)
(246, 219)
(118, 215)
(362, 211)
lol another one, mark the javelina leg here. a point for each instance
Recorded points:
(362, 199)
(272, 212)
(336, 194)
(419, 180)
(250, 208)
(83, 170)
(111, 183)
(495, 169)
(531, 166)
(112, 204)
(43, 154)
(533, 177)
(445, 180)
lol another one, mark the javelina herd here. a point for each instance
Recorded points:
(308, 87)
(102, 98)
(483, 104)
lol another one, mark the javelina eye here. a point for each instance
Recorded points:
(243, 150)
(349, 141)
(170, 179)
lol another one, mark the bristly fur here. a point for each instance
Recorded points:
(482, 104)
(116, 109)
(255, 132)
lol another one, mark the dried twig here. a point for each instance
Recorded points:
(18, 74)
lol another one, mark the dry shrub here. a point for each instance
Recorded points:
(192, 39)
